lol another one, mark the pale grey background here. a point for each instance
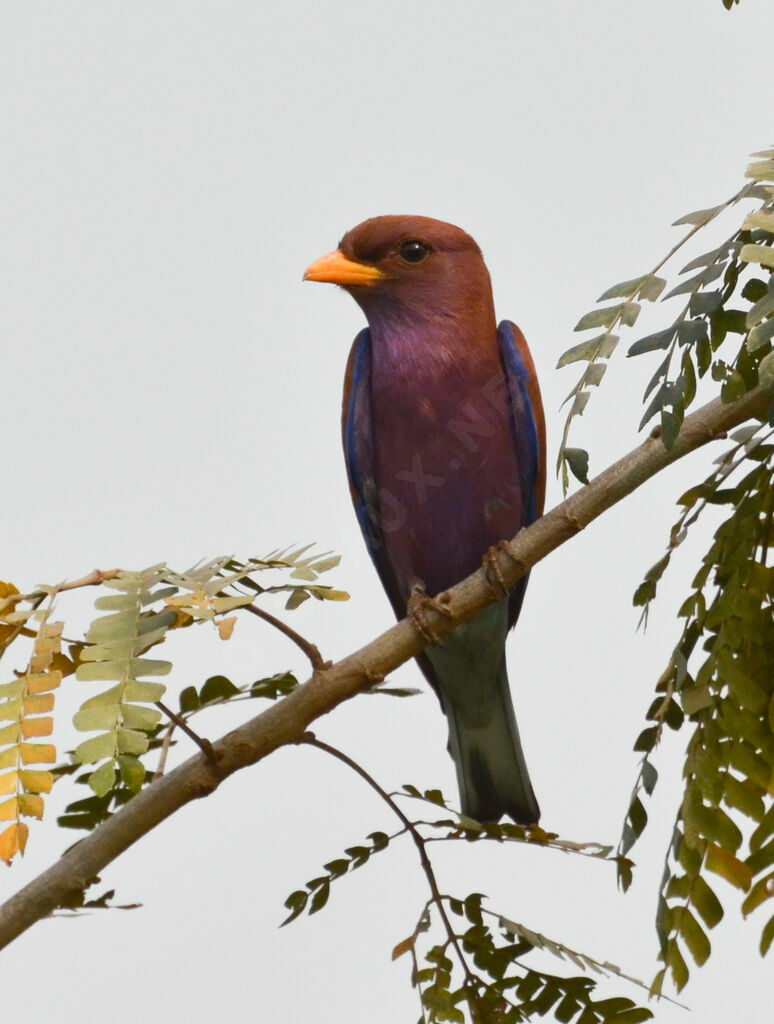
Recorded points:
(171, 391)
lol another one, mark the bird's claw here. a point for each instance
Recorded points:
(491, 565)
(417, 606)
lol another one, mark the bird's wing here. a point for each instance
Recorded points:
(529, 430)
(358, 440)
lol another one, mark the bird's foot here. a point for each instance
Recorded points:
(417, 606)
(491, 565)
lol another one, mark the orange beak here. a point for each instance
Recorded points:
(336, 268)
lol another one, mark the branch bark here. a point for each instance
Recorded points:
(287, 720)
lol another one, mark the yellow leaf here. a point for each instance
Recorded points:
(7, 589)
(39, 704)
(37, 753)
(404, 947)
(14, 689)
(226, 627)
(10, 710)
(13, 841)
(36, 782)
(8, 783)
(9, 734)
(42, 682)
(9, 809)
(31, 727)
(31, 805)
(8, 757)
(725, 864)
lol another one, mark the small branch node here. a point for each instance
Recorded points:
(571, 518)
(201, 742)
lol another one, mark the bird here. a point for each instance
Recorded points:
(444, 440)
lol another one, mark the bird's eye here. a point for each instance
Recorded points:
(414, 252)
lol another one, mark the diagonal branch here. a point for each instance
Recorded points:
(286, 721)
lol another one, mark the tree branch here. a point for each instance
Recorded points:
(310, 650)
(286, 721)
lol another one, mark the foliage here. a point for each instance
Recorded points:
(478, 962)
(126, 718)
(26, 704)
(705, 323)
(719, 682)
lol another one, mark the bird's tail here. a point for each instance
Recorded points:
(470, 674)
(491, 771)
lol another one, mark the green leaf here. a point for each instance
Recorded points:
(745, 797)
(132, 742)
(652, 288)
(217, 688)
(649, 777)
(652, 342)
(629, 313)
(103, 779)
(96, 749)
(578, 461)
(136, 716)
(760, 335)
(320, 897)
(694, 937)
(296, 902)
(761, 859)
(693, 284)
(636, 1015)
(603, 317)
(761, 171)
(676, 963)
(766, 372)
(189, 699)
(147, 693)
(706, 902)
(149, 667)
(699, 216)
(96, 718)
(723, 863)
(132, 772)
(278, 685)
(767, 937)
(646, 740)
(753, 253)
(601, 347)
(624, 289)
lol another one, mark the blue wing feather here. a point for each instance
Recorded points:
(359, 455)
(528, 433)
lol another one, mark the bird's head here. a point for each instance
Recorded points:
(409, 268)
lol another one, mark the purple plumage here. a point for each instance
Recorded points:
(444, 439)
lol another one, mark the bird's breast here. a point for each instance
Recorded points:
(445, 458)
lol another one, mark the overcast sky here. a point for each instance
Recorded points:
(171, 391)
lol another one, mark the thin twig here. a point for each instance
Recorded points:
(203, 744)
(418, 839)
(165, 745)
(310, 650)
(95, 578)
